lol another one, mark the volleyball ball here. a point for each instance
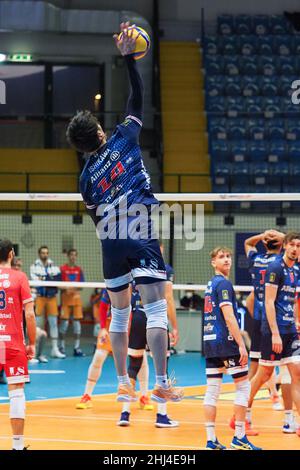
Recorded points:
(142, 44)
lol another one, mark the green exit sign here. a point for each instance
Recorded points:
(19, 57)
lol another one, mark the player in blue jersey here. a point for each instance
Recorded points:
(224, 350)
(258, 263)
(138, 364)
(279, 340)
(113, 182)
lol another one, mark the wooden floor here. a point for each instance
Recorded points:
(56, 424)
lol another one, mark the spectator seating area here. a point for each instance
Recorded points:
(253, 125)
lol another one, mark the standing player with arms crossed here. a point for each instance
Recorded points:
(224, 350)
(14, 355)
(115, 175)
(279, 340)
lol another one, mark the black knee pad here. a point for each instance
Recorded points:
(134, 366)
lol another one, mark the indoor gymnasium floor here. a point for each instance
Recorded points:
(54, 423)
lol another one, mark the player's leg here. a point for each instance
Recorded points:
(289, 425)
(64, 325)
(52, 312)
(214, 375)
(242, 385)
(271, 385)
(77, 317)
(41, 337)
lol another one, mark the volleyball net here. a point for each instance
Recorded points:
(189, 226)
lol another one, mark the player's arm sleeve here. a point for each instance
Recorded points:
(224, 292)
(81, 276)
(251, 256)
(26, 296)
(273, 275)
(136, 97)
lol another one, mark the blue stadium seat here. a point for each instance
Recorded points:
(267, 65)
(275, 128)
(250, 86)
(240, 188)
(292, 129)
(288, 188)
(279, 24)
(214, 85)
(257, 132)
(284, 85)
(287, 65)
(231, 65)
(214, 65)
(229, 45)
(294, 174)
(248, 65)
(277, 151)
(248, 45)
(216, 104)
(254, 105)
(235, 104)
(236, 129)
(220, 189)
(233, 86)
(283, 45)
(272, 104)
(294, 152)
(288, 107)
(211, 45)
(239, 151)
(265, 45)
(259, 169)
(243, 24)
(268, 86)
(240, 173)
(258, 151)
(222, 169)
(225, 24)
(280, 173)
(218, 132)
(261, 24)
(296, 41)
(220, 150)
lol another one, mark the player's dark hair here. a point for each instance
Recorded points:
(272, 244)
(290, 236)
(82, 132)
(43, 247)
(72, 250)
(5, 248)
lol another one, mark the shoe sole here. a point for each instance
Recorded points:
(147, 407)
(124, 424)
(288, 432)
(164, 400)
(126, 399)
(159, 425)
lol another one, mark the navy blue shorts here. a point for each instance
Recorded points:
(290, 350)
(217, 366)
(124, 260)
(255, 340)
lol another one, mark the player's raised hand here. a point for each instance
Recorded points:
(276, 343)
(126, 42)
(243, 355)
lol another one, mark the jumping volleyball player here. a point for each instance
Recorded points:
(113, 179)
(224, 350)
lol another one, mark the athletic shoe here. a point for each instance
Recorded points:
(290, 428)
(243, 444)
(62, 350)
(145, 403)
(43, 359)
(85, 402)
(162, 395)
(124, 419)
(34, 360)
(56, 353)
(24, 448)
(126, 393)
(163, 421)
(248, 427)
(214, 445)
(277, 406)
(78, 352)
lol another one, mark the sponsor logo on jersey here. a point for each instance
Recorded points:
(115, 155)
(272, 277)
(16, 371)
(209, 337)
(225, 295)
(5, 316)
(2, 327)
(6, 284)
(209, 327)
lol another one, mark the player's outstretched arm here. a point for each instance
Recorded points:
(126, 46)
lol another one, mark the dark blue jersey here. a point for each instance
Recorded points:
(116, 172)
(286, 279)
(258, 265)
(217, 339)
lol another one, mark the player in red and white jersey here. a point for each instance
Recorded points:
(15, 296)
